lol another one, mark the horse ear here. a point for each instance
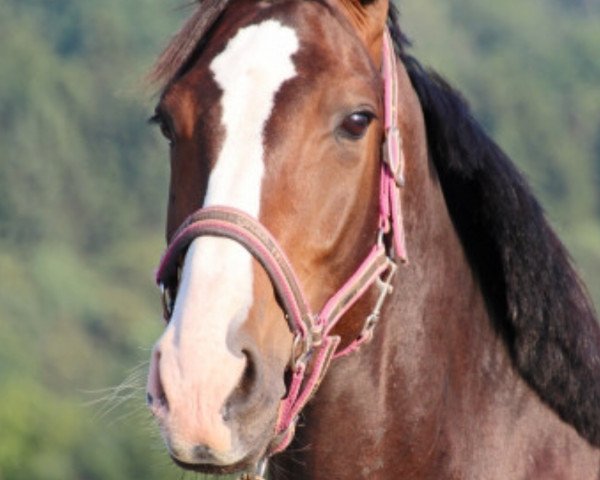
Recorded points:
(368, 17)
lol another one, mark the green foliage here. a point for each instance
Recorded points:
(72, 122)
(71, 326)
(84, 183)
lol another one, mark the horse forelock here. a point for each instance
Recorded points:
(535, 297)
(179, 54)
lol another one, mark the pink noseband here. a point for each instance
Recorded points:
(314, 345)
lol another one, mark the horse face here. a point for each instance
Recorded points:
(279, 116)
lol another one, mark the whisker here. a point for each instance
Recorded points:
(110, 399)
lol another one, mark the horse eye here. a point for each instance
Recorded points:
(355, 125)
(166, 132)
(164, 127)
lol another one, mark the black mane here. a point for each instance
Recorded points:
(534, 295)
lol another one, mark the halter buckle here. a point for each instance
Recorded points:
(392, 154)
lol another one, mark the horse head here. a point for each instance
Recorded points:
(276, 114)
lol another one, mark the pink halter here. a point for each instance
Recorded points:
(314, 346)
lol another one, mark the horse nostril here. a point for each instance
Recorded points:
(162, 400)
(245, 388)
(155, 387)
(249, 376)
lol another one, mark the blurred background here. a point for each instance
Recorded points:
(83, 185)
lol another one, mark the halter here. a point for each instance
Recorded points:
(314, 346)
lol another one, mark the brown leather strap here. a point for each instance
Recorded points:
(240, 227)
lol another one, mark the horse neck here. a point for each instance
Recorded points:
(434, 330)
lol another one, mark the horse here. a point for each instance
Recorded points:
(358, 281)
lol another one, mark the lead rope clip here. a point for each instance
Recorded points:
(385, 288)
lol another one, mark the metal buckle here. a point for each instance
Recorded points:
(392, 136)
(303, 346)
(316, 334)
(385, 288)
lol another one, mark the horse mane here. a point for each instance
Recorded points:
(536, 300)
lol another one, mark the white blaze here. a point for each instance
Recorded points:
(216, 287)
(250, 71)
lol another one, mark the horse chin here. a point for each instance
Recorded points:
(245, 464)
(205, 460)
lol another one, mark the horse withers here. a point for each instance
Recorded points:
(337, 228)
